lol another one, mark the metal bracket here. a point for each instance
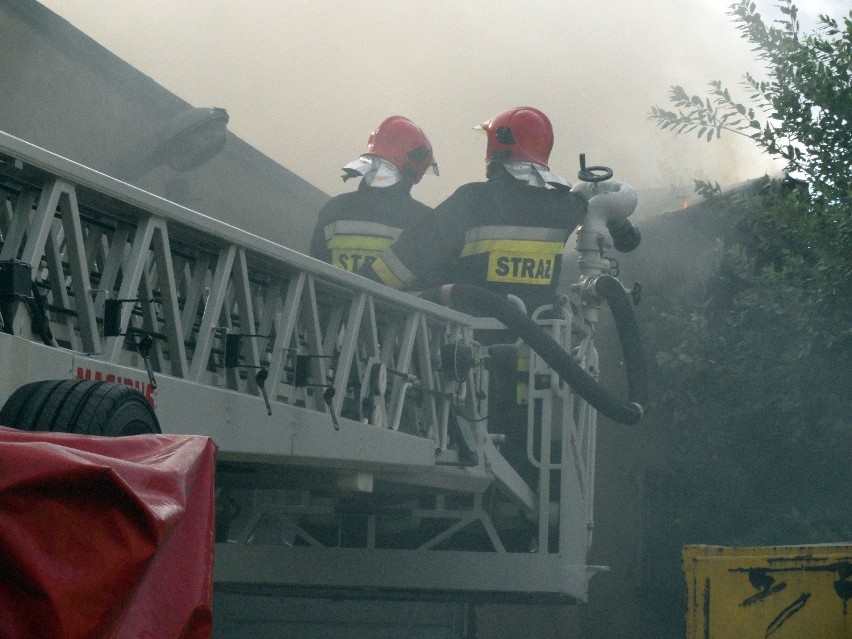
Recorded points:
(232, 360)
(112, 328)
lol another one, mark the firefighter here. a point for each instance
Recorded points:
(506, 234)
(354, 228)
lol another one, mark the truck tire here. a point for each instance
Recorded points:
(84, 407)
(11, 412)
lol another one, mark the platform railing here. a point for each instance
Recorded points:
(189, 282)
(213, 314)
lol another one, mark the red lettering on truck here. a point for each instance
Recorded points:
(146, 388)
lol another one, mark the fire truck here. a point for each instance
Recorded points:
(361, 431)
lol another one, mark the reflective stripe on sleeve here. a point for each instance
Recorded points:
(352, 227)
(519, 247)
(541, 234)
(359, 242)
(391, 271)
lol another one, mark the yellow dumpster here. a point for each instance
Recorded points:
(770, 592)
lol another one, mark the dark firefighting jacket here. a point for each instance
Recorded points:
(354, 228)
(502, 235)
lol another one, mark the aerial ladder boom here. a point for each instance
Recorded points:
(352, 420)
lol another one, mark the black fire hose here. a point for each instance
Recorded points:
(476, 301)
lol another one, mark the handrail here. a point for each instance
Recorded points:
(208, 279)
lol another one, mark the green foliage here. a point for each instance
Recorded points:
(750, 420)
(752, 375)
(801, 113)
(708, 116)
(809, 242)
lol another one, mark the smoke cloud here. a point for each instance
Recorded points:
(306, 82)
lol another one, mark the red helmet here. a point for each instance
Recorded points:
(403, 143)
(522, 134)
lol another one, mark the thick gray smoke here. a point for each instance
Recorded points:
(306, 82)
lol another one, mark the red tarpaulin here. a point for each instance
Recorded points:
(105, 537)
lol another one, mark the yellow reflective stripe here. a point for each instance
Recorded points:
(541, 234)
(359, 242)
(386, 275)
(523, 364)
(352, 227)
(396, 267)
(518, 247)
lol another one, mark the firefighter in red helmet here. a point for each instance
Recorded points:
(506, 234)
(352, 229)
(519, 135)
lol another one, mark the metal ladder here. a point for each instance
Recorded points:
(335, 401)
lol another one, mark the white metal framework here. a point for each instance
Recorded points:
(373, 469)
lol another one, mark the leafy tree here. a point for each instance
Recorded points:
(806, 102)
(752, 373)
(803, 114)
(750, 416)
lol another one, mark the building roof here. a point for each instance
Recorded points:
(63, 91)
